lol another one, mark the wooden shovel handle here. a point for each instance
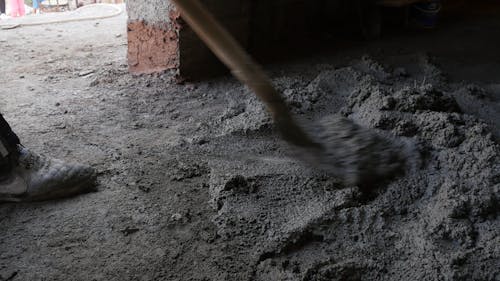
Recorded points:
(242, 66)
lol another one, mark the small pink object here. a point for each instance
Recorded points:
(17, 8)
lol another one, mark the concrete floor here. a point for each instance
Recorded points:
(162, 148)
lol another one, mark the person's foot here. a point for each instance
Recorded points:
(36, 178)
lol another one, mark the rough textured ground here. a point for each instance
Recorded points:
(196, 185)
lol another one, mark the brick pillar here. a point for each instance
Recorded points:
(153, 41)
(159, 40)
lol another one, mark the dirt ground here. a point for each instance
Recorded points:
(194, 183)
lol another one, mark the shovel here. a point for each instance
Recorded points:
(355, 155)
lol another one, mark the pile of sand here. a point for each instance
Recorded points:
(439, 219)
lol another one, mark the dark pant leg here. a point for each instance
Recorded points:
(7, 135)
(2, 8)
(8, 147)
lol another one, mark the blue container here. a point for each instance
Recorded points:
(425, 14)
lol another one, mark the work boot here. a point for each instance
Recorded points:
(34, 177)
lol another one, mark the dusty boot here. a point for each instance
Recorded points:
(34, 177)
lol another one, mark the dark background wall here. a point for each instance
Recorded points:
(268, 29)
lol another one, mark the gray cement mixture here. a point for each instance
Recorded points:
(195, 183)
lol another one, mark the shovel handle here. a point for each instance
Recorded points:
(242, 66)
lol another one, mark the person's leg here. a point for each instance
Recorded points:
(2, 7)
(14, 8)
(22, 11)
(8, 139)
(27, 176)
(6, 133)
(8, 148)
(38, 8)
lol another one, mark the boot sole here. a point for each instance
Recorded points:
(80, 188)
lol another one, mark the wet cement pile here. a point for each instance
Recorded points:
(282, 221)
